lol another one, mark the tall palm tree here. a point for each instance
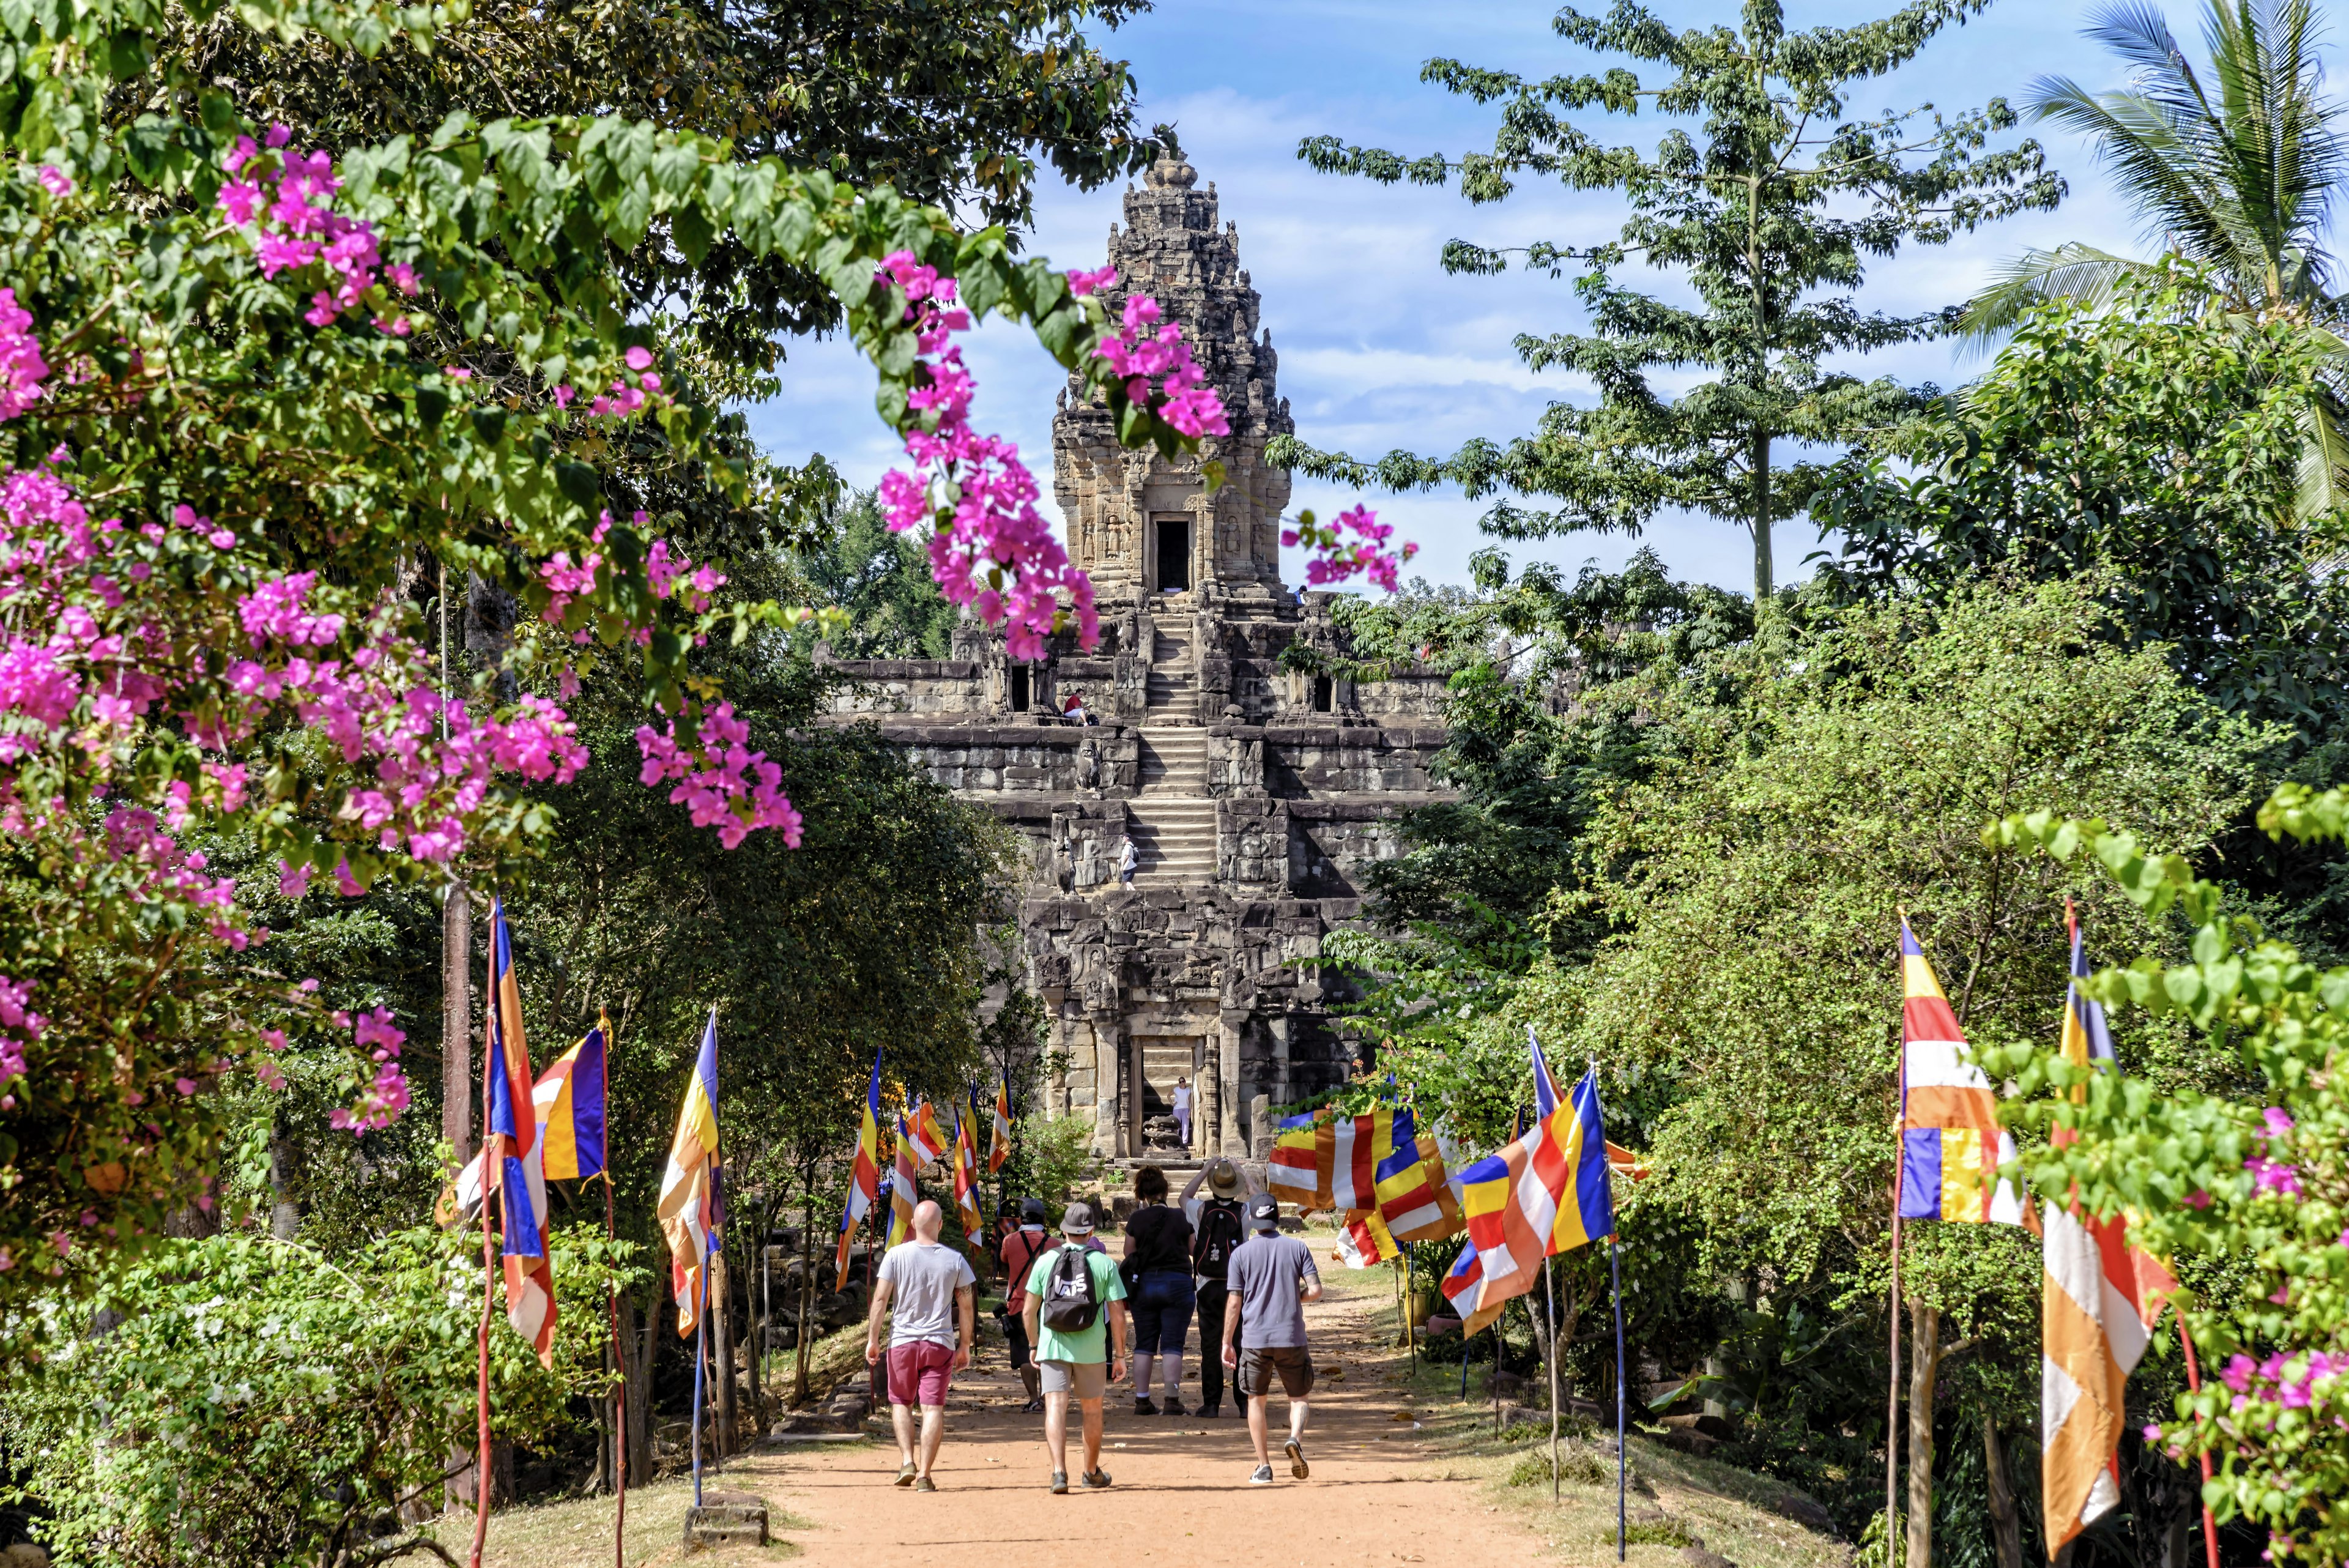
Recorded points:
(2233, 168)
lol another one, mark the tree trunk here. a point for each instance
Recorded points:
(643, 1340)
(1924, 1362)
(457, 1022)
(284, 1209)
(2005, 1518)
(802, 1340)
(1764, 582)
(721, 1351)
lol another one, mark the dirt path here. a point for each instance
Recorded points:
(1181, 1493)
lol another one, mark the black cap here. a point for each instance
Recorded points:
(1264, 1212)
(1033, 1210)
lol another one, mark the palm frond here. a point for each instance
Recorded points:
(2075, 272)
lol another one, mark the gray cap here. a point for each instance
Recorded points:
(1078, 1221)
(1264, 1212)
(1224, 1180)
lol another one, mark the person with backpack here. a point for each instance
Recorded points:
(1070, 1290)
(1157, 1273)
(1216, 1228)
(1018, 1252)
(1274, 1277)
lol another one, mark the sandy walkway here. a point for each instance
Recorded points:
(1181, 1494)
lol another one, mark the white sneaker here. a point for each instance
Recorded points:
(1263, 1476)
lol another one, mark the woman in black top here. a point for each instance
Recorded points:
(1158, 1266)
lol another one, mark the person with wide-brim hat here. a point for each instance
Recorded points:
(1216, 1228)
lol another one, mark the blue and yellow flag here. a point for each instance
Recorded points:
(689, 1212)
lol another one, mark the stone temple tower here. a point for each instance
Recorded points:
(1137, 523)
(1256, 778)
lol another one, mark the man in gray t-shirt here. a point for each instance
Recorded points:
(925, 1288)
(1274, 1277)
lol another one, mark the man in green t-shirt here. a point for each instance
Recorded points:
(1084, 1362)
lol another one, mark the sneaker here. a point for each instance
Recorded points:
(1296, 1452)
(906, 1473)
(1209, 1412)
(1060, 1482)
(1145, 1407)
(1093, 1480)
(925, 1483)
(1263, 1476)
(1033, 1407)
(1172, 1408)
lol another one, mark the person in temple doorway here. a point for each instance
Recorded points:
(1183, 1111)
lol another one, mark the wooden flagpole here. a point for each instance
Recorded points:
(1892, 1392)
(489, 1161)
(2194, 1383)
(620, 1393)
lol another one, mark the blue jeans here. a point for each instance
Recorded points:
(1161, 1307)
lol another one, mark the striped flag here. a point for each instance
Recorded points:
(998, 1146)
(1299, 1171)
(1416, 1223)
(965, 1181)
(570, 1096)
(928, 1138)
(1951, 1143)
(511, 1151)
(864, 1171)
(688, 1209)
(903, 1194)
(1366, 1242)
(2099, 1298)
(1546, 1192)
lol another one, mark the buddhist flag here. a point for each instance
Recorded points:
(921, 1127)
(511, 1151)
(2099, 1298)
(999, 1148)
(903, 1195)
(864, 1171)
(1546, 1192)
(689, 1208)
(1951, 1143)
(1366, 1242)
(1442, 1193)
(965, 1181)
(1299, 1171)
(570, 1096)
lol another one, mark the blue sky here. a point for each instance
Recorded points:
(1379, 349)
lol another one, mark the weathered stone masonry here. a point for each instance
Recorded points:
(1255, 795)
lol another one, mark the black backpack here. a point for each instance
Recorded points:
(1219, 1233)
(1070, 1304)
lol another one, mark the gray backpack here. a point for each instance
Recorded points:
(1070, 1304)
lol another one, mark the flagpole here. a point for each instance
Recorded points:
(619, 1395)
(1549, 1295)
(701, 1328)
(1892, 1387)
(2194, 1384)
(481, 1388)
(1623, 1455)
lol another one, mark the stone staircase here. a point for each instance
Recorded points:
(1174, 817)
(1173, 690)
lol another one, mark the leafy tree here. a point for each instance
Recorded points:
(1768, 210)
(2151, 447)
(881, 582)
(2256, 1177)
(258, 1402)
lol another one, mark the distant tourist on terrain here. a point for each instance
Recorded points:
(929, 1295)
(1183, 1111)
(1274, 1277)
(1128, 858)
(1071, 1288)
(1158, 1267)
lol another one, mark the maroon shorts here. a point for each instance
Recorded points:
(919, 1372)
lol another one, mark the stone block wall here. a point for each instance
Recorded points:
(1252, 844)
(1332, 843)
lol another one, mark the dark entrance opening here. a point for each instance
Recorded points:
(1324, 694)
(1020, 688)
(1174, 556)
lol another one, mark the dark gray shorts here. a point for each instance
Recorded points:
(1259, 1363)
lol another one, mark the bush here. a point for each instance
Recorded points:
(1059, 1156)
(256, 1403)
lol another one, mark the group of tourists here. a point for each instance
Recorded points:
(1076, 1317)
